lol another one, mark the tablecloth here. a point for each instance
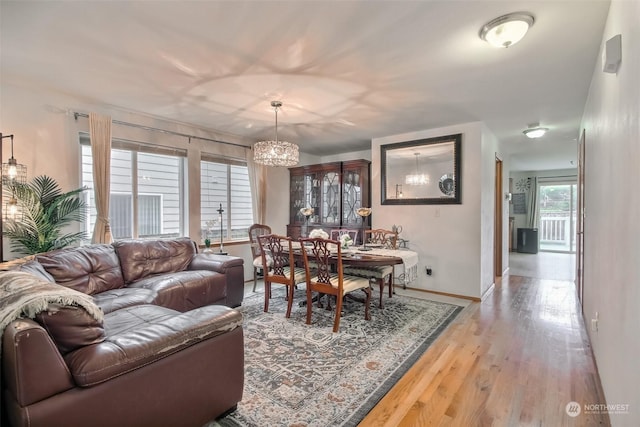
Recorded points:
(404, 273)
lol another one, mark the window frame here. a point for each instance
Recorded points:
(134, 148)
(229, 162)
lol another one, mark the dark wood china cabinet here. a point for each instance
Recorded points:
(334, 190)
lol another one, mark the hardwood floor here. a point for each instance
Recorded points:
(515, 359)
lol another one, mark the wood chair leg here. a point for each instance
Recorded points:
(290, 302)
(367, 314)
(381, 282)
(336, 322)
(255, 278)
(328, 308)
(267, 295)
(309, 303)
(391, 285)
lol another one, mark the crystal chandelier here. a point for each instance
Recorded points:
(276, 153)
(417, 178)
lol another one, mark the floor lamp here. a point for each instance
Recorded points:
(12, 172)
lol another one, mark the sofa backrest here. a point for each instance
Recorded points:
(142, 258)
(89, 269)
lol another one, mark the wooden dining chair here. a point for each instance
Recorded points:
(326, 253)
(336, 233)
(282, 270)
(254, 231)
(382, 274)
(386, 238)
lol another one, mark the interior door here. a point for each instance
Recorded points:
(497, 222)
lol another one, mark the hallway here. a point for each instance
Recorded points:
(520, 357)
(543, 265)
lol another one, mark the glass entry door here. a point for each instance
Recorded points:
(557, 221)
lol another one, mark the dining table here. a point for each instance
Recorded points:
(403, 261)
(353, 258)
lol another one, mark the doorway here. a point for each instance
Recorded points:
(497, 222)
(557, 210)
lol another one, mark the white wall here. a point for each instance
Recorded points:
(353, 155)
(457, 244)
(449, 238)
(612, 206)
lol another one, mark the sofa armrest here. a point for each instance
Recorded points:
(33, 368)
(233, 269)
(213, 262)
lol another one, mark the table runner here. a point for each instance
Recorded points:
(404, 273)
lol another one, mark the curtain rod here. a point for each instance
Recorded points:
(170, 132)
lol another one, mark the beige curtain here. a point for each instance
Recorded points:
(258, 181)
(100, 134)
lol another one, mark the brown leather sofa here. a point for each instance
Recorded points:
(169, 351)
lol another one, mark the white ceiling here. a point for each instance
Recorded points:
(346, 71)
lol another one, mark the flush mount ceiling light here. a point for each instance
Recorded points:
(507, 30)
(535, 131)
(276, 153)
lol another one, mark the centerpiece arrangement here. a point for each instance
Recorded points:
(346, 241)
(318, 233)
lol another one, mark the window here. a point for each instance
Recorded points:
(146, 190)
(224, 183)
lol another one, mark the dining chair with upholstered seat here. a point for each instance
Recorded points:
(326, 253)
(385, 238)
(282, 269)
(382, 274)
(254, 231)
(337, 233)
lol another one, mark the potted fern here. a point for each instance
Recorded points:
(46, 210)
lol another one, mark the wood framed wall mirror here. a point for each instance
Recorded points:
(422, 172)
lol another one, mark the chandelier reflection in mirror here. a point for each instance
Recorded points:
(417, 178)
(276, 153)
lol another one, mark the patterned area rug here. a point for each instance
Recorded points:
(305, 375)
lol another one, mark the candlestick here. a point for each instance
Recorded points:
(364, 213)
(220, 211)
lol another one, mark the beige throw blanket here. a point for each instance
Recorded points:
(24, 295)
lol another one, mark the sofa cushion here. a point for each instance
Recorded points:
(142, 258)
(35, 268)
(140, 335)
(89, 269)
(70, 327)
(185, 290)
(115, 299)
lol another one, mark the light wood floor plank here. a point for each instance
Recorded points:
(515, 359)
